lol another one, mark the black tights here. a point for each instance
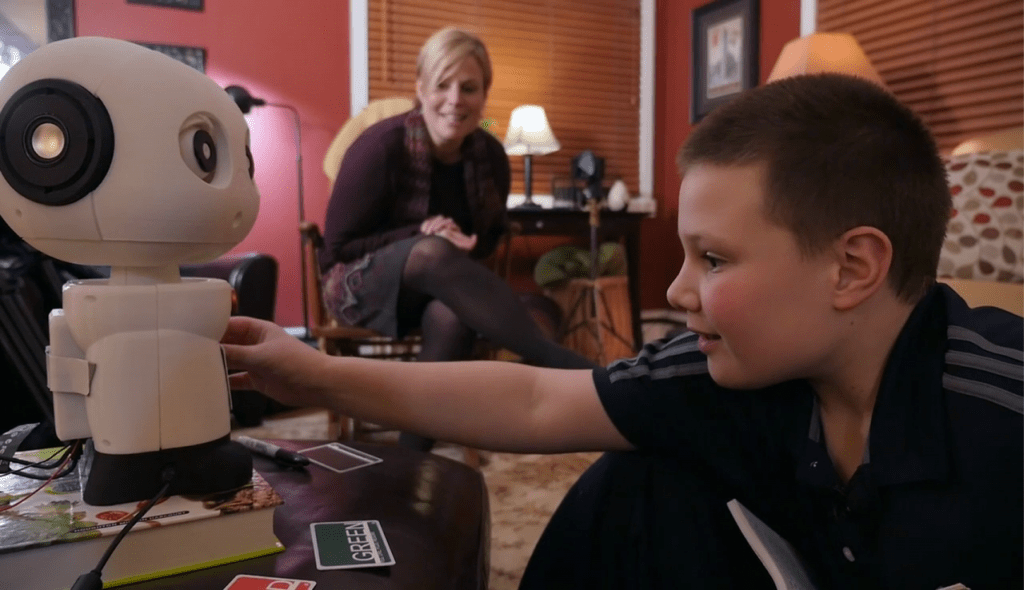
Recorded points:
(457, 298)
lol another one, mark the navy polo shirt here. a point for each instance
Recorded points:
(939, 498)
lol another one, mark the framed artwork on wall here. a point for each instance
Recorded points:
(184, 4)
(725, 53)
(194, 57)
(60, 19)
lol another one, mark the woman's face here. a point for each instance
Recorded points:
(453, 107)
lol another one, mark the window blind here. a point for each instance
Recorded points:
(579, 60)
(959, 64)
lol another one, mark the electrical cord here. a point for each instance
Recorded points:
(71, 460)
(92, 580)
(57, 460)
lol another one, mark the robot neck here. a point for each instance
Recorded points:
(143, 275)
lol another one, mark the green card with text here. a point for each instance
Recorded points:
(350, 544)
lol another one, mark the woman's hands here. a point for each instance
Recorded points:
(445, 227)
(273, 362)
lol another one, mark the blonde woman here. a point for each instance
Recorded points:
(418, 201)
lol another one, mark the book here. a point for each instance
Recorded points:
(52, 536)
(779, 557)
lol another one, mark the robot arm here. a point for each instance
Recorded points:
(69, 377)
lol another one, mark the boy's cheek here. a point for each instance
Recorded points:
(729, 308)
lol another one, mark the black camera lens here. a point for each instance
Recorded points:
(205, 150)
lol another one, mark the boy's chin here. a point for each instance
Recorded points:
(731, 378)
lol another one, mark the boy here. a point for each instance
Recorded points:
(860, 410)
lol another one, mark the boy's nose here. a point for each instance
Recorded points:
(682, 295)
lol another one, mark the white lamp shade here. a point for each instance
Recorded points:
(529, 132)
(824, 52)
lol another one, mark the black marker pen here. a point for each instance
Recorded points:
(273, 451)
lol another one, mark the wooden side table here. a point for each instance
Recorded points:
(575, 223)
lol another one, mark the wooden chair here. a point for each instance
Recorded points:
(375, 111)
(340, 340)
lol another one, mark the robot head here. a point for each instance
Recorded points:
(112, 153)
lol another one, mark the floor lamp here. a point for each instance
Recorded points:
(245, 102)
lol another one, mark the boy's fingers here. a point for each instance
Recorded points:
(245, 330)
(240, 381)
(239, 331)
(236, 356)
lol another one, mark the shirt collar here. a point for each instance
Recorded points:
(907, 441)
(908, 426)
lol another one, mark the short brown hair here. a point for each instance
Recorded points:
(840, 152)
(448, 47)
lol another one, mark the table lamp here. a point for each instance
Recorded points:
(529, 134)
(246, 102)
(824, 52)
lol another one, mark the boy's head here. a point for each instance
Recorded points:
(838, 152)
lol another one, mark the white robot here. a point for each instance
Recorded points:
(114, 154)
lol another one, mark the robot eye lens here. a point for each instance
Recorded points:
(48, 142)
(205, 150)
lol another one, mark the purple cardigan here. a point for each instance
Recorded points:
(372, 206)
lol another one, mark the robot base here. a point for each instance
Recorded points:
(207, 468)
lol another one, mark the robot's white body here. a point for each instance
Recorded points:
(155, 366)
(113, 154)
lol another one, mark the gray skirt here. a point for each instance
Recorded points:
(364, 292)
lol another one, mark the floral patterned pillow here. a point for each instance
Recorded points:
(985, 236)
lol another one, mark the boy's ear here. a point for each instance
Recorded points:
(863, 256)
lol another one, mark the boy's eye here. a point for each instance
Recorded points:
(712, 260)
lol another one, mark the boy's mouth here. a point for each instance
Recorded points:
(705, 342)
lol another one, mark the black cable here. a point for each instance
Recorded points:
(54, 461)
(53, 477)
(93, 580)
(51, 463)
(38, 463)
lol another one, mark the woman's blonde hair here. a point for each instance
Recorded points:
(448, 47)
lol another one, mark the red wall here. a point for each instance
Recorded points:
(286, 52)
(299, 55)
(662, 254)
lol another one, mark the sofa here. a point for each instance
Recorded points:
(983, 255)
(253, 276)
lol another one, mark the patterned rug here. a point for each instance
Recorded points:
(524, 490)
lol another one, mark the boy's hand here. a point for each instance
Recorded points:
(272, 362)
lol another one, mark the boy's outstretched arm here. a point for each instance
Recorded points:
(490, 405)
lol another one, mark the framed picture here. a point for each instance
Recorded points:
(725, 53)
(60, 20)
(194, 57)
(184, 4)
